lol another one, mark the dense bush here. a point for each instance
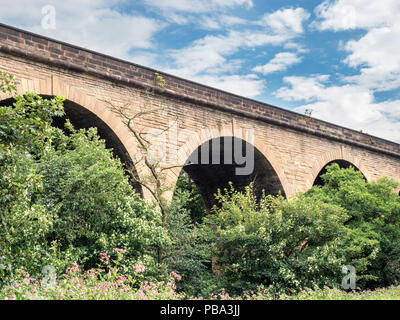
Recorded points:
(96, 207)
(303, 242)
(25, 135)
(188, 253)
(188, 196)
(373, 239)
(64, 197)
(276, 243)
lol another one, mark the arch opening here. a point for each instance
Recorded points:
(219, 161)
(342, 164)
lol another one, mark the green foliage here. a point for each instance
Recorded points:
(277, 243)
(187, 196)
(188, 254)
(23, 222)
(390, 293)
(373, 239)
(160, 80)
(97, 209)
(64, 197)
(7, 83)
(27, 123)
(25, 135)
(109, 283)
(284, 245)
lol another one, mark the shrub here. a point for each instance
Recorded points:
(276, 243)
(63, 196)
(188, 196)
(188, 251)
(25, 135)
(373, 239)
(96, 207)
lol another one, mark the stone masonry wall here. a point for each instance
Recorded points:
(297, 147)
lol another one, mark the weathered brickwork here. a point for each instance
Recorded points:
(296, 146)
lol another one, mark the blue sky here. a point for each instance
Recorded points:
(338, 58)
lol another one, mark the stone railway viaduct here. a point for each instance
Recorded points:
(291, 149)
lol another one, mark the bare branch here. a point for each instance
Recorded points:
(155, 181)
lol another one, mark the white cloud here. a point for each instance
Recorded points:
(178, 18)
(218, 22)
(203, 14)
(295, 46)
(92, 24)
(197, 6)
(286, 20)
(208, 60)
(231, 20)
(211, 52)
(353, 14)
(280, 62)
(377, 54)
(349, 105)
(208, 23)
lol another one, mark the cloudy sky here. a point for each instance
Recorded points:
(338, 58)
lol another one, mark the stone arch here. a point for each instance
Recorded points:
(337, 155)
(87, 104)
(197, 139)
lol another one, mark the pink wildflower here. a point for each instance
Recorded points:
(105, 258)
(175, 276)
(140, 268)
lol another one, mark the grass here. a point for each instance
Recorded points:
(390, 293)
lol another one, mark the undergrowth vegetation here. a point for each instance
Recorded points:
(68, 206)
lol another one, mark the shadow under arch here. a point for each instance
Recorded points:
(218, 161)
(82, 118)
(344, 164)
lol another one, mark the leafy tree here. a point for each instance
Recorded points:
(25, 136)
(188, 196)
(97, 209)
(274, 242)
(373, 239)
(189, 251)
(63, 196)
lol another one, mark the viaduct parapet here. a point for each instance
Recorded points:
(291, 149)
